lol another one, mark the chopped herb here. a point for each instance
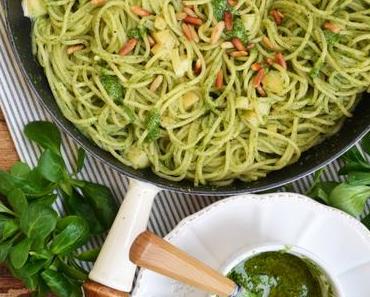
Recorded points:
(331, 37)
(219, 8)
(152, 125)
(129, 112)
(315, 71)
(137, 33)
(238, 31)
(113, 86)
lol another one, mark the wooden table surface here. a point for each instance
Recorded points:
(9, 287)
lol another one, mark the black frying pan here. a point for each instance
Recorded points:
(352, 130)
(113, 268)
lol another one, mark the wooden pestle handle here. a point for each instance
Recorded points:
(156, 254)
(93, 289)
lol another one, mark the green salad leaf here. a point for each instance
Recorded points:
(72, 233)
(101, 200)
(39, 245)
(81, 156)
(45, 134)
(18, 201)
(20, 252)
(349, 198)
(58, 283)
(352, 194)
(88, 256)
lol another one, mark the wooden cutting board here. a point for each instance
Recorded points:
(9, 286)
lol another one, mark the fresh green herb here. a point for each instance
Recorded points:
(238, 31)
(315, 71)
(349, 198)
(45, 134)
(73, 233)
(76, 204)
(101, 200)
(152, 125)
(81, 156)
(59, 284)
(219, 8)
(130, 113)
(20, 169)
(331, 37)
(4, 250)
(138, 33)
(352, 194)
(366, 221)
(113, 86)
(19, 253)
(39, 245)
(88, 256)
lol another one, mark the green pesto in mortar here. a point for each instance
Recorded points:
(280, 274)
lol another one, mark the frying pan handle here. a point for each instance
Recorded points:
(113, 267)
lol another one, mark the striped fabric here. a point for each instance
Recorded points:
(20, 106)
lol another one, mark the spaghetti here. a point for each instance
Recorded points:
(207, 90)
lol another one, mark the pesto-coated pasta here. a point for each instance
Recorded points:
(207, 90)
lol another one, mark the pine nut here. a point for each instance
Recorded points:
(219, 83)
(189, 12)
(156, 83)
(237, 54)
(194, 34)
(193, 20)
(180, 16)
(140, 11)
(250, 46)
(227, 45)
(187, 32)
(269, 61)
(232, 2)
(277, 16)
(238, 44)
(258, 78)
(98, 2)
(228, 19)
(331, 27)
(261, 91)
(279, 59)
(198, 67)
(151, 40)
(74, 48)
(256, 67)
(267, 42)
(128, 47)
(217, 31)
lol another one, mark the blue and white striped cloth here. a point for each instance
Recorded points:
(20, 106)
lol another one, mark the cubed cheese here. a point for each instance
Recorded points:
(33, 8)
(274, 82)
(189, 99)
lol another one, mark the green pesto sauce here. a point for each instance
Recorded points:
(278, 274)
